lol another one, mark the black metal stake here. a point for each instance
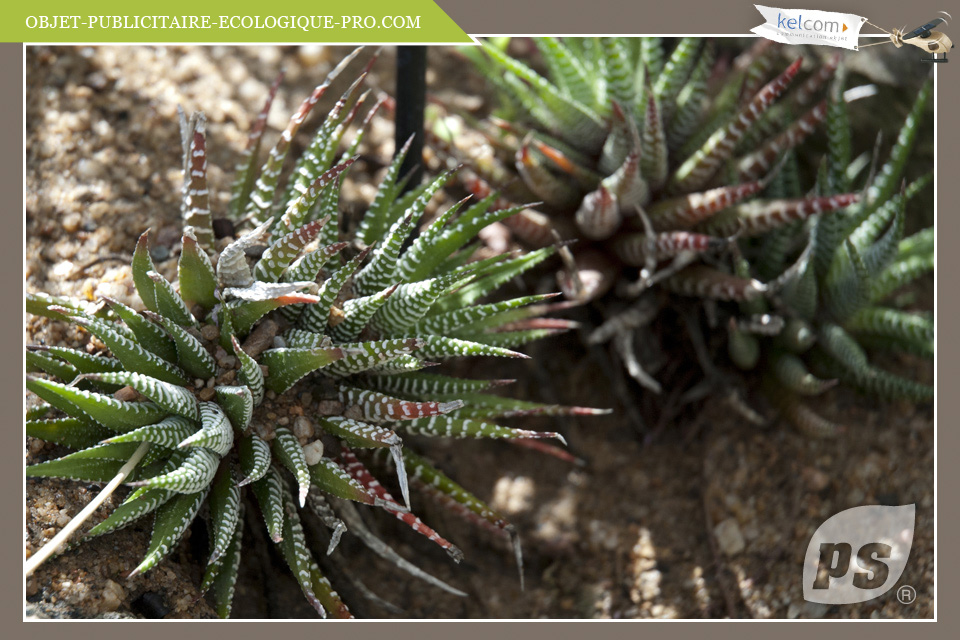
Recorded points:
(411, 92)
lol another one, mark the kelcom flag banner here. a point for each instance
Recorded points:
(802, 26)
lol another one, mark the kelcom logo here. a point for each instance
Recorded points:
(799, 24)
(808, 26)
(858, 554)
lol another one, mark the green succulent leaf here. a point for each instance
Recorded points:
(169, 397)
(362, 356)
(192, 476)
(168, 433)
(269, 492)
(69, 432)
(216, 432)
(171, 522)
(250, 373)
(453, 427)
(131, 355)
(255, 458)
(116, 415)
(287, 365)
(294, 548)
(99, 463)
(147, 333)
(331, 478)
(131, 511)
(237, 403)
(221, 576)
(359, 434)
(81, 360)
(37, 362)
(169, 301)
(286, 448)
(198, 281)
(224, 512)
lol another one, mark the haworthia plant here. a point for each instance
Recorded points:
(330, 338)
(678, 171)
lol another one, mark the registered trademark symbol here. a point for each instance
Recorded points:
(906, 594)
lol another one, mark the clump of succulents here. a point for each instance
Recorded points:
(837, 274)
(276, 322)
(676, 172)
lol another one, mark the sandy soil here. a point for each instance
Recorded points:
(705, 517)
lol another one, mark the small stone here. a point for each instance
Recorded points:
(88, 169)
(210, 332)
(71, 222)
(649, 584)
(64, 518)
(126, 394)
(112, 596)
(329, 408)
(311, 54)
(227, 362)
(312, 452)
(513, 495)
(336, 316)
(729, 537)
(815, 479)
(206, 394)
(249, 89)
(302, 428)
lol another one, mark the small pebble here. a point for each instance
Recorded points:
(513, 495)
(302, 428)
(71, 222)
(126, 394)
(329, 408)
(112, 596)
(311, 54)
(649, 584)
(210, 332)
(815, 479)
(729, 537)
(313, 452)
(224, 359)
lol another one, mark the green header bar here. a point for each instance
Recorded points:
(367, 22)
